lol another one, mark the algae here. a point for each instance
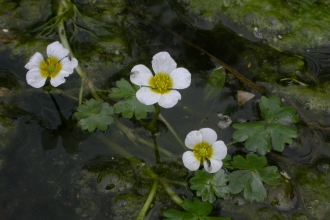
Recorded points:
(286, 25)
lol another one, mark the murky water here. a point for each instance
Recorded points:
(51, 169)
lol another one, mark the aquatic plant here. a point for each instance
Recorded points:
(57, 66)
(161, 87)
(205, 149)
(245, 172)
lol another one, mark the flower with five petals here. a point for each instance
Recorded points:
(205, 149)
(161, 87)
(56, 66)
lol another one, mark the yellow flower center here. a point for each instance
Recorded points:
(161, 83)
(50, 67)
(203, 151)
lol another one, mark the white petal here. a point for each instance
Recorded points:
(209, 135)
(34, 78)
(34, 61)
(59, 79)
(169, 99)
(141, 75)
(190, 161)
(219, 150)
(213, 167)
(181, 78)
(146, 96)
(193, 138)
(57, 50)
(68, 65)
(163, 62)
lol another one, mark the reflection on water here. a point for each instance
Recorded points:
(51, 169)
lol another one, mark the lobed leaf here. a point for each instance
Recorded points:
(209, 186)
(252, 173)
(124, 89)
(252, 162)
(195, 210)
(129, 106)
(94, 114)
(132, 107)
(262, 136)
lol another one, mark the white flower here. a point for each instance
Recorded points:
(205, 149)
(162, 86)
(56, 66)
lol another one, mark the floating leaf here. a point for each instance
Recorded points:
(209, 185)
(132, 106)
(195, 210)
(252, 173)
(270, 133)
(129, 106)
(124, 89)
(214, 83)
(94, 114)
(250, 182)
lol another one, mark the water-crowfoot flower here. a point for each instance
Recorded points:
(205, 149)
(162, 86)
(56, 66)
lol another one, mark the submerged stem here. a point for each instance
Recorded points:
(81, 92)
(169, 191)
(147, 203)
(153, 175)
(157, 156)
(172, 131)
(64, 40)
(133, 138)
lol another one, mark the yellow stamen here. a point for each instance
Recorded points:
(203, 151)
(161, 83)
(50, 67)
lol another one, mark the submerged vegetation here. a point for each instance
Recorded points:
(125, 128)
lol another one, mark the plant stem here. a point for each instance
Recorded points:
(147, 203)
(130, 157)
(133, 137)
(170, 192)
(157, 156)
(64, 40)
(231, 143)
(157, 111)
(81, 92)
(175, 182)
(172, 131)
(152, 125)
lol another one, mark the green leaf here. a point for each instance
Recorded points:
(214, 84)
(252, 173)
(226, 162)
(195, 210)
(270, 175)
(209, 185)
(94, 114)
(174, 214)
(197, 207)
(252, 162)
(262, 136)
(129, 106)
(132, 106)
(124, 89)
